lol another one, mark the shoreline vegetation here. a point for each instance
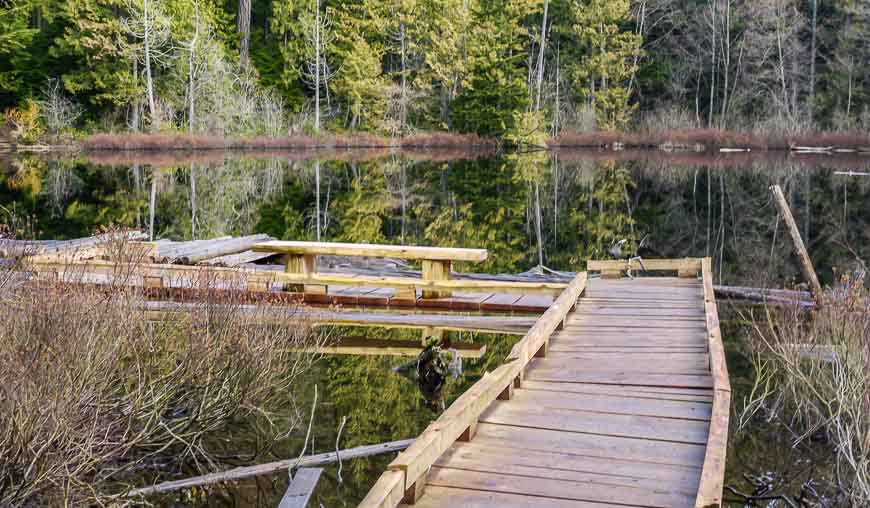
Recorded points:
(96, 398)
(687, 140)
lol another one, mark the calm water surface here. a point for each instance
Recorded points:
(554, 209)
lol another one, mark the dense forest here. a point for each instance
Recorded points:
(493, 67)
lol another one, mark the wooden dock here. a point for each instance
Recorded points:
(621, 402)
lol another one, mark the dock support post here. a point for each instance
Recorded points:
(306, 265)
(436, 270)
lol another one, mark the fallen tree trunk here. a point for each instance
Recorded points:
(270, 467)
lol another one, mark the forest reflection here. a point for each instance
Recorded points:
(555, 209)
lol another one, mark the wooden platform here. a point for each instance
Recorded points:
(617, 413)
(625, 405)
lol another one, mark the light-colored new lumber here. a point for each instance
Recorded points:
(301, 487)
(372, 250)
(261, 469)
(686, 264)
(800, 248)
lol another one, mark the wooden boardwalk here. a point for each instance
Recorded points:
(625, 405)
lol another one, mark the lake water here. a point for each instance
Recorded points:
(558, 208)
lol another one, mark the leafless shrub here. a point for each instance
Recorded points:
(821, 366)
(97, 393)
(58, 111)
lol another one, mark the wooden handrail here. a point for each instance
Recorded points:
(372, 250)
(713, 470)
(685, 266)
(405, 476)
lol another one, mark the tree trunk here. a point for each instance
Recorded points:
(813, 50)
(540, 78)
(317, 66)
(244, 32)
(191, 118)
(149, 82)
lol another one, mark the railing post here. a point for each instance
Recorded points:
(436, 270)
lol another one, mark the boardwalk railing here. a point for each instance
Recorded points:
(713, 471)
(405, 477)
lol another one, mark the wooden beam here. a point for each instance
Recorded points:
(713, 470)
(372, 250)
(800, 248)
(301, 487)
(436, 271)
(261, 469)
(652, 265)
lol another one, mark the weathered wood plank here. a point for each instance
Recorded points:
(613, 447)
(654, 393)
(547, 489)
(611, 404)
(587, 422)
(301, 488)
(481, 455)
(445, 497)
(622, 378)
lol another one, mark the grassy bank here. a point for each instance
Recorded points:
(712, 139)
(96, 399)
(166, 142)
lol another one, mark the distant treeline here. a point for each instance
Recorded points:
(514, 69)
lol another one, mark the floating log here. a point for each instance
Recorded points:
(800, 248)
(270, 467)
(764, 295)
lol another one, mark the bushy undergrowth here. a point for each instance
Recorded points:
(819, 367)
(709, 139)
(96, 396)
(178, 141)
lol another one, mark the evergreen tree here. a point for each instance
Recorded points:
(609, 60)
(494, 89)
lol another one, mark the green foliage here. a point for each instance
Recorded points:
(610, 58)
(358, 48)
(494, 90)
